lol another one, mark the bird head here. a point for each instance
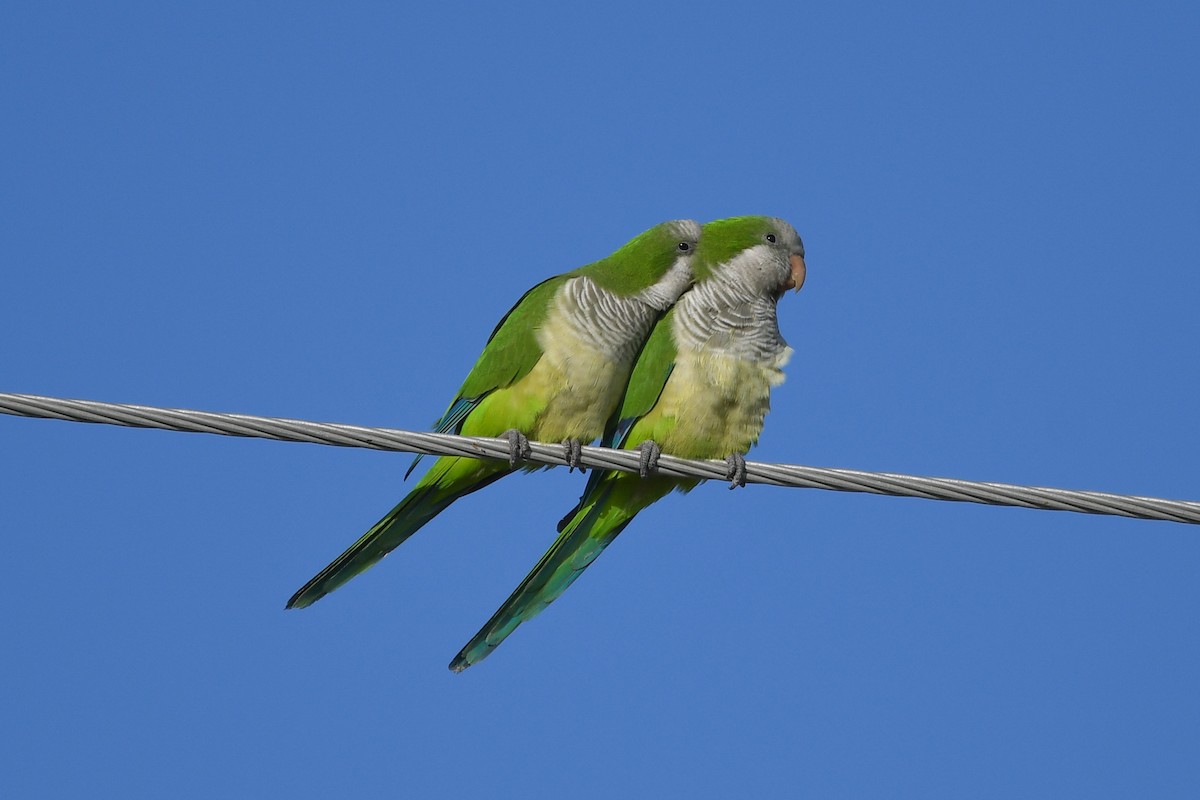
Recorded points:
(655, 264)
(765, 252)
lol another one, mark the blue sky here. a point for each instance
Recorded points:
(313, 212)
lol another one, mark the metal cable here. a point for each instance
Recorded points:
(841, 480)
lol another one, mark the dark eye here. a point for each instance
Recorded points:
(684, 247)
(771, 238)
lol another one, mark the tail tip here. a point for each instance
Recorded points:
(471, 655)
(301, 599)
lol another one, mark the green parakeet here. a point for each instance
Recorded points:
(552, 370)
(700, 389)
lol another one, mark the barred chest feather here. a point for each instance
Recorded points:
(729, 356)
(589, 341)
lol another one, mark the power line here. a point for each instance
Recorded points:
(792, 475)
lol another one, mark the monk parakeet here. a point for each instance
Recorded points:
(700, 389)
(553, 370)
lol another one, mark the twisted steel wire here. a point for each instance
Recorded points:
(791, 475)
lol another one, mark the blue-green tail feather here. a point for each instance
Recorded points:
(581, 541)
(423, 503)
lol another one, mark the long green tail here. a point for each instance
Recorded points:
(447, 480)
(600, 517)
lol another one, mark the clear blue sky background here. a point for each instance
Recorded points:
(320, 213)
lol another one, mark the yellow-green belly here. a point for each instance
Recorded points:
(712, 406)
(569, 394)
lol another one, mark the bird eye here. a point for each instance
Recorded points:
(771, 238)
(684, 247)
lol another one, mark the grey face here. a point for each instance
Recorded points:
(687, 231)
(775, 265)
(662, 294)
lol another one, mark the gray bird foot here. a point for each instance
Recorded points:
(572, 453)
(649, 461)
(737, 470)
(518, 446)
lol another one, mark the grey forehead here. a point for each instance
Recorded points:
(785, 228)
(685, 229)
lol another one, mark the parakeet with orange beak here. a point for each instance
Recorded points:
(700, 389)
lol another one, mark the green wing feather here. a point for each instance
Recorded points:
(512, 349)
(650, 374)
(511, 352)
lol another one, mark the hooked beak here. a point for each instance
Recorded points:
(796, 279)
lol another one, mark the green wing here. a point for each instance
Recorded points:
(654, 366)
(510, 353)
(512, 349)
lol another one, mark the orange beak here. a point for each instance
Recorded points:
(799, 271)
